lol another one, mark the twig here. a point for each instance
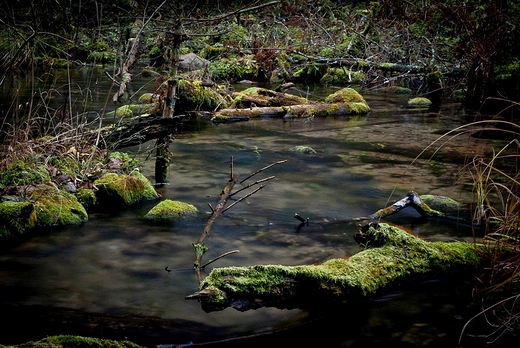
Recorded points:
(264, 168)
(219, 257)
(252, 184)
(242, 198)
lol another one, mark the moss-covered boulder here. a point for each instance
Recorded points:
(56, 207)
(16, 218)
(355, 100)
(419, 102)
(170, 210)
(69, 341)
(123, 189)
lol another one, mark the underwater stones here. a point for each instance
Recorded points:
(169, 210)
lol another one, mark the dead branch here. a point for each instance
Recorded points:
(242, 198)
(252, 184)
(264, 168)
(218, 258)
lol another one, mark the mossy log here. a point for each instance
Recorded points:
(391, 256)
(292, 111)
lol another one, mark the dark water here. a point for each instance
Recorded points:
(107, 278)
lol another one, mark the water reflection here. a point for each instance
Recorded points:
(114, 265)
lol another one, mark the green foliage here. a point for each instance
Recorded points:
(234, 68)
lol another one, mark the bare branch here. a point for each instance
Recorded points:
(252, 184)
(219, 257)
(264, 168)
(242, 198)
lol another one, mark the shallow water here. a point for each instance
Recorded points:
(113, 266)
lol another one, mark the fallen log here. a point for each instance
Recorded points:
(391, 256)
(292, 111)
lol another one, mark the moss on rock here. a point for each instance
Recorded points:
(169, 209)
(124, 189)
(56, 207)
(16, 218)
(345, 95)
(419, 102)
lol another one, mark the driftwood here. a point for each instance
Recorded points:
(391, 256)
(427, 205)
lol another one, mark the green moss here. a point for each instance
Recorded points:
(87, 197)
(394, 90)
(146, 98)
(234, 68)
(441, 203)
(419, 102)
(388, 66)
(16, 218)
(345, 95)
(359, 108)
(24, 172)
(126, 189)
(393, 255)
(56, 207)
(169, 209)
(194, 96)
(134, 109)
(343, 76)
(69, 341)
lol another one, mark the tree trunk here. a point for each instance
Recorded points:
(391, 256)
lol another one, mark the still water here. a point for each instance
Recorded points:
(107, 278)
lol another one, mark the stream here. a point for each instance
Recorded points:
(106, 278)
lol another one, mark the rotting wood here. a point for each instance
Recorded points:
(391, 256)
